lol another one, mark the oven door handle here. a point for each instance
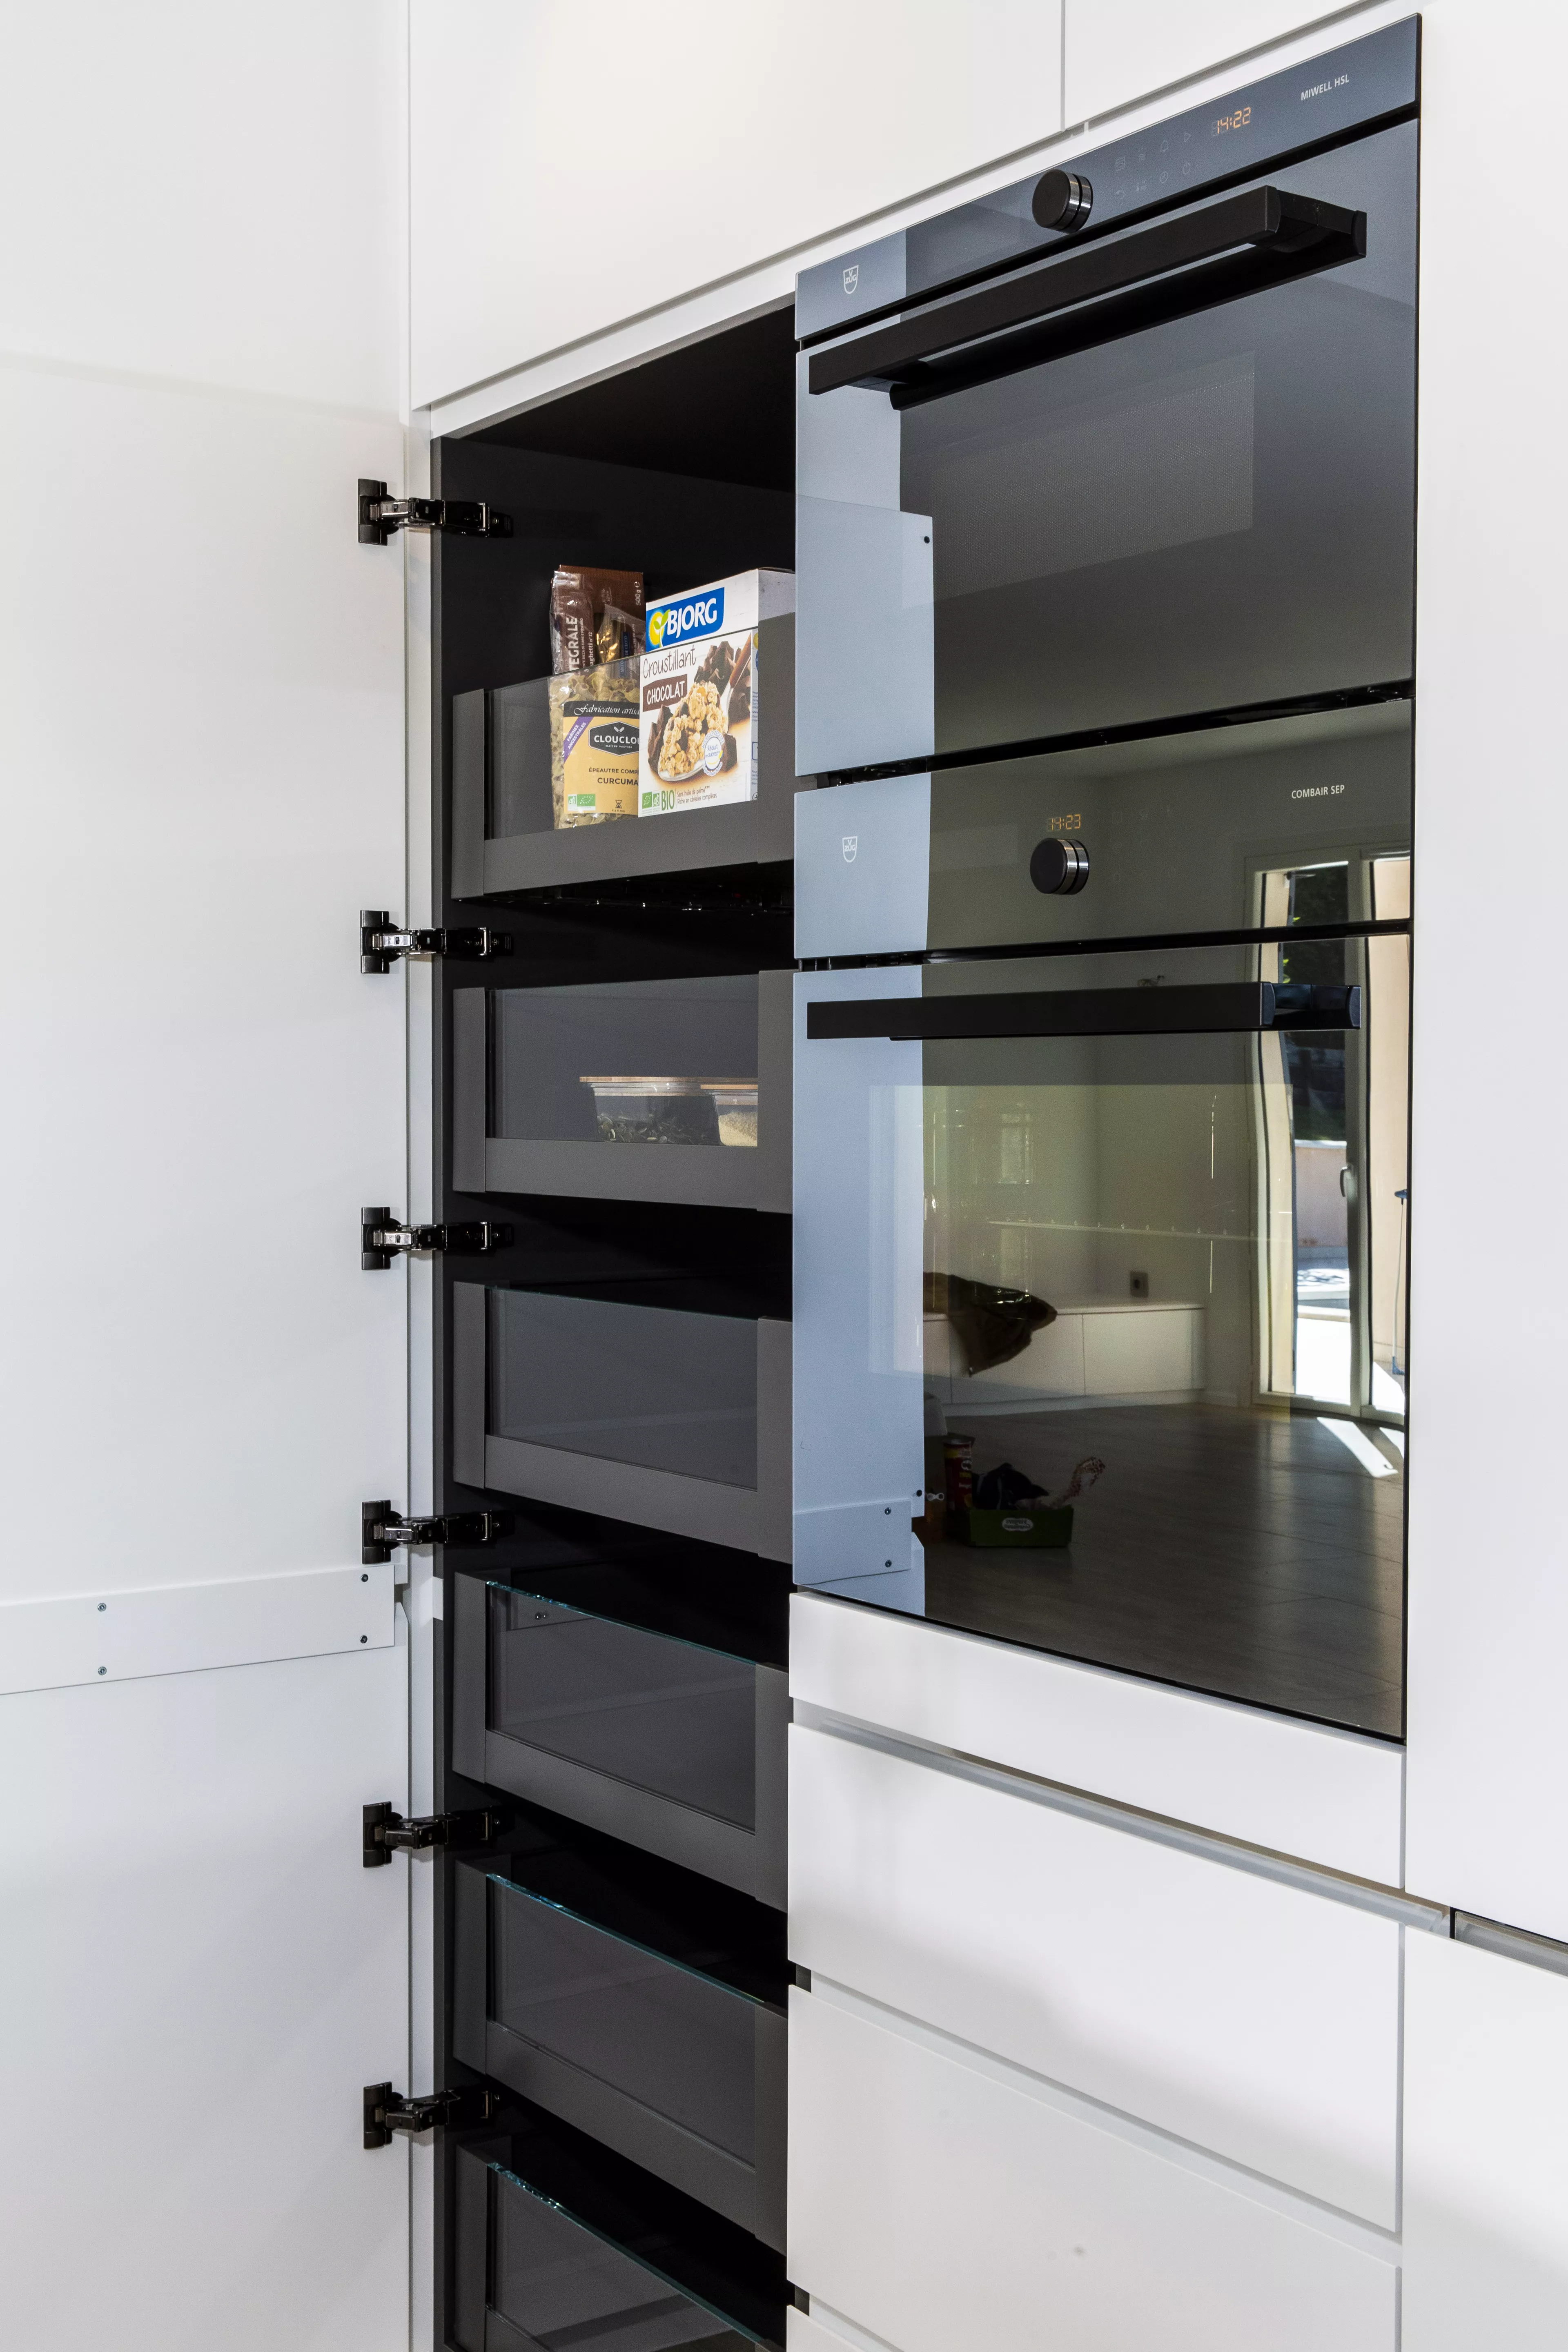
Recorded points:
(1209, 1007)
(1193, 262)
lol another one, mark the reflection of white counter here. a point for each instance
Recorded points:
(1096, 1347)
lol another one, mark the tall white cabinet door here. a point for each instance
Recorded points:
(201, 783)
(1486, 2149)
(1118, 51)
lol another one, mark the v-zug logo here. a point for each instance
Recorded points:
(851, 843)
(852, 278)
(692, 616)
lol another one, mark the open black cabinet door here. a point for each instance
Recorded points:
(612, 1384)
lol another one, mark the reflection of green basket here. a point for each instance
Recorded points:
(1018, 1530)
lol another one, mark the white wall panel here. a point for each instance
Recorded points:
(1117, 51)
(201, 783)
(1489, 1600)
(207, 194)
(1258, 2020)
(201, 734)
(573, 172)
(1486, 2150)
(200, 1978)
(1327, 1797)
(935, 2204)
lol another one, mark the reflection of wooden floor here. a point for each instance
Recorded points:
(1240, 1553)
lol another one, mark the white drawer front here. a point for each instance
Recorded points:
(1330, 1797)
(941, 2209)
(1253, 2017)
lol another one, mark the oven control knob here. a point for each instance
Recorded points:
(1062, 200)
(1059, 867)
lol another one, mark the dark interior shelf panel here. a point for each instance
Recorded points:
(497, 768)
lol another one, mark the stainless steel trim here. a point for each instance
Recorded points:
(1312, 1878)
(1511, 1943)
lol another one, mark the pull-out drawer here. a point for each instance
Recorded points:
(561, 2247)
(653, 1414)
(638, 2004)
(939, 2205)
(674, 1745)
(1232, 2010)
(630, 1090)
(504, 836)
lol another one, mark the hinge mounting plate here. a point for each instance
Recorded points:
(382, 1530)
(386, 2111)
(386, 1832)
(382, 1237)
(380, 516)
(382, 941)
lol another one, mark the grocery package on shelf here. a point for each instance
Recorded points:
(700, 692)
(596, 616)
(594, 744)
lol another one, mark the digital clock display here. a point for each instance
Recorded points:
(1236, 122)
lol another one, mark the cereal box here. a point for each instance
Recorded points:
(701, 698)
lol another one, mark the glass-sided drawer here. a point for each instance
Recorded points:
(636, 2001)
(666, 1418)
(559, 2245)
(503, 833)
(647, 1090)
(674, 1744)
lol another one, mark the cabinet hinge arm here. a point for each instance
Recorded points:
(386, 2111)
(386, 1832)
(382, 1237)
(382, 1530)
(380, 516)
(382, 943)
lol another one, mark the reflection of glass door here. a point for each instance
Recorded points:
(1331, 1120)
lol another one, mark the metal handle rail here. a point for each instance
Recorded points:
(1209, 1007)
(1193, 262)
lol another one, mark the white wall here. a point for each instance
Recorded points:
(201, 781)
(574, 169)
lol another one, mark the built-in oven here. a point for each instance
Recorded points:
(1105, 628)
(1129, 439)
(1102, 1264)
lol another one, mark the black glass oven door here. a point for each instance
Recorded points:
(1207, 513)
(1107, 1257)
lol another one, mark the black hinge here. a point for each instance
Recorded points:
(380, 516)
(382, 1528)
(386, 1832)
(381, 1236)
(386, 2111)
(380, 943)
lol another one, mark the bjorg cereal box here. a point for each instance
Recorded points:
(700, 699)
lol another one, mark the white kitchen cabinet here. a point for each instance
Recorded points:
(1253, 2017)
(201, 680)
(937, 2201)
(1119, 51)
(570, 175)
(1486, 2149)
(1325, 1796)
(1489, 1603)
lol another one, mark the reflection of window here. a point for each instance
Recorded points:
(1013, 1149)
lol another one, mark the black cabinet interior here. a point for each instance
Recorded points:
(684, 469)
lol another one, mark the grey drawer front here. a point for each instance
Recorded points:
(674, 1748)
(532, 2279)
(673, 2069)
